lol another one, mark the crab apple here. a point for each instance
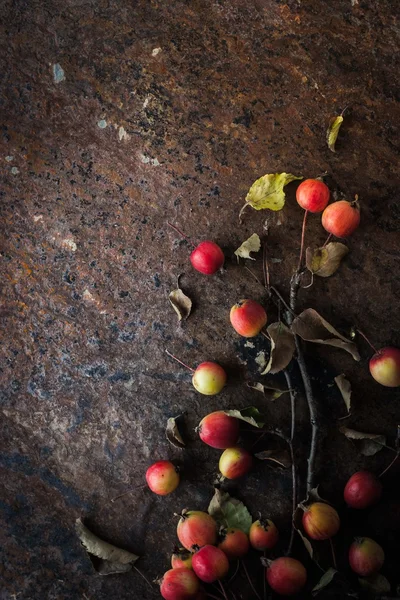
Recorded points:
(341, 218)
(248, 317)
(366, 557)
(286, 576)
(207, 258)
(209, 378)
(384, 366)
(362, 490)
(320, 521)
(263, 534)
(234, 543)
(219, 430)
(181, 558)
(196, 528)
(179, 584)
(210, 563)
(313, 195)
(162, 477)
(235, 462)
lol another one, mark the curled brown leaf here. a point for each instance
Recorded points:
(282, 348)
(325, 261)
(344, 386)
(367, 443)
(281, 458)
(271, 393)
(173, 434)
(181, 304)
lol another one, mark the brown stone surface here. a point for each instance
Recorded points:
(197, 99)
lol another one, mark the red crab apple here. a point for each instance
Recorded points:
(362, 490)
(234, 543)
(207, 258)
(286, 576)
(235, 462)
(313, 195)
(320, 521)
(366, 557)
(263, 534)
(196, 528)
(162, 477)
(179, 584)
(181, 558)
(384, 366)
(209, 378)
(210, 563)
(341, 218)
(219, 430)
(248, 317)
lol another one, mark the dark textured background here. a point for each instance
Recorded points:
(197, 99)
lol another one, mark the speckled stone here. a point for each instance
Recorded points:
(116, 118)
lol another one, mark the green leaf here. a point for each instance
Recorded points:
(252, 244)
(333, 130)
(229, 512)
(251, 415)
(324, 581)
(267, 192)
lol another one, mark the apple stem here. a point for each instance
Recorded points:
(290, 443)
(181, 234)
(390, 464)
(250, 581)
(127, 492)
(264, 580)
(265, 266)
(212, 596)
(222, 590)
(179, 361)
(327, 240)
(141, 575)
(303, 232)
(333, 554)
(367, 340)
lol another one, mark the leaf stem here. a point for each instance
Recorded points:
(367, 340)
(250, 581)
(265, 266)
(303, 232)
(290, 443)
(181, 234)
(179, 361)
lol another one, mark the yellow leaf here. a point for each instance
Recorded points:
(253, 244)
(325, 261)
(267, 192)
(332, 133)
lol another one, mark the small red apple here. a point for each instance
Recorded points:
(313, 195)
(196, 528)
(248, 317)
(341, 218)
(219, 430)
(234, 543)
(235, 462)
(162, 477)
(366, 557)
(179, 584)
(181, 558)
(362, 490)
(263, 534)
(320, 521)
(384, 366)
(210, 563)
(207, 258)
(209, 378)
(286, 576)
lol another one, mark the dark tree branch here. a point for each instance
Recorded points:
(292, 434)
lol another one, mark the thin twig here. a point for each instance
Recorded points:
(235, 573)
(285, 304)
(303, 232)
(212, 596)
(367, 340)
(250, 581)
(265, 266)
(179, 361)
(264, 580)
(292, 435)
(127, 492)
(390, 465)
(145, 578)
(222, 590)
(333, 554)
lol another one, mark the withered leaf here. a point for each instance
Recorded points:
(271, 393)
(333, 131)
(282, 457)
(181, 304)
(325, 261)
(112, 559)
(229, 512)
(367, 443)
(267, 191)
(252, 244)
(173, 434)
(344, 386)
(310, 326)
(282, 348)
(251, 415)
(376, 585)
(324, 581)
(297, 524)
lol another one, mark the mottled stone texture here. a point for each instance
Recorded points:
(117, 117)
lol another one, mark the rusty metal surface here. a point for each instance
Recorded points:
(117, 117)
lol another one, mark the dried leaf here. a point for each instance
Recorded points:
(332, 132)
(282, 348)
(282, 457)
(367, 443)
(271, 393)
(376, 585)
(310, 326)
(173, 434)
(229, 512)
(253, 244)
(324, 581)
(325, 261)
(181, 304)
(267, 192)
(113, 559)
(297, 524)
(344, 386)
(251, 415)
